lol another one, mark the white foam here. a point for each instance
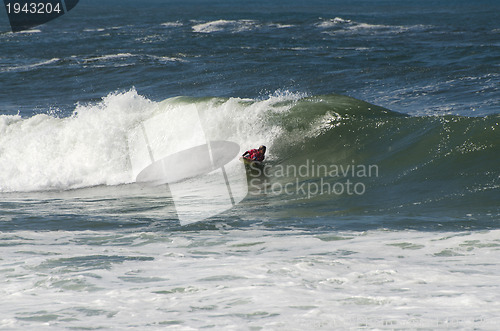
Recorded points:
(333, 22)
(125, 59)
(172, 24)
(280, 26)
(340, 25)
(46, 152)
(236, 26)
(266, 279)
(109, 57)
(30, 31)
(165, 59)
(94, 30)
(225, 25)
(28, 67)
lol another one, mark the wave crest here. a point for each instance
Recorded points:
(88, 148)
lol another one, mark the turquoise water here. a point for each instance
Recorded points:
(377, 206)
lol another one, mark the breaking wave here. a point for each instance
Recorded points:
(431, 161)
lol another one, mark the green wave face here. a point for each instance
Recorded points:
(430, 165)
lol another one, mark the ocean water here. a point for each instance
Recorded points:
(377, 207)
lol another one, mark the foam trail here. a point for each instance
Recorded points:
(223, 25)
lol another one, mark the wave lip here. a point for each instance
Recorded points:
(28, 67)
(340, 25)
(175, 24)
(225, 25)
(333, 22)
(236, 26)
(126, 59)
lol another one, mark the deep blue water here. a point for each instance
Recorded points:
(426, 57)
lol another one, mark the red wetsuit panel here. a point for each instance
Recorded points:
(255, 154)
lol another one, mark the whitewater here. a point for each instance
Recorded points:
(250, 278)
(90, 147)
